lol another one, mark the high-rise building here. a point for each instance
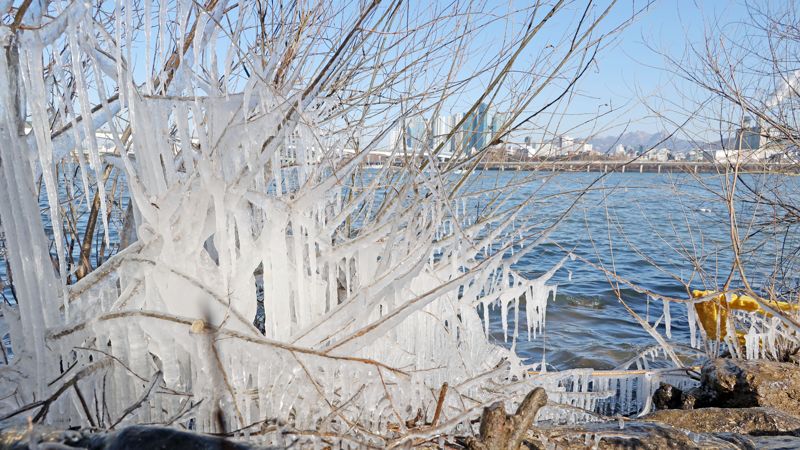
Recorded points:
(476, 128)
(440, 129)
(460, 142)
(563, 145)
(748, 137)
(415, 132)
(498, 121)
(394, 136)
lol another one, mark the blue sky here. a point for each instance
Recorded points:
(632, 81)
(632, 71)
(629, 74)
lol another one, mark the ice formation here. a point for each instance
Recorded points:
(371, 289)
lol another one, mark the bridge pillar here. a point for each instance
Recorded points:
(659, 168)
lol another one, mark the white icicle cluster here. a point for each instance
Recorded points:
(372, 279)
(366, 314)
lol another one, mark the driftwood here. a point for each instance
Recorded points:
(500, 431)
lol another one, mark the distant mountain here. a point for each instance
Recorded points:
(646, 140)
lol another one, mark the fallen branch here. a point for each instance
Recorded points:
(500, 431)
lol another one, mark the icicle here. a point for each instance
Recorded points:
(147, 54)
(691, 316)
(33, 76)
(90, 132)
(751, 343)
(668, 319)
(219, 216)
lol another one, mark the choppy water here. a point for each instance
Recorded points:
(641, 226)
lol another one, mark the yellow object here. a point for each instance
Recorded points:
(716, 309)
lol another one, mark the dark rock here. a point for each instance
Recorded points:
(688, 400)
(162, 438)
(745, 383)
(699, 397)
(756, 421)
(129, 438)
(667, 396)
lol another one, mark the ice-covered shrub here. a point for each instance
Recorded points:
(243, 135)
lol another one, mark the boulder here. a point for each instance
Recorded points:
(755, 421)
(139, 437)
(631, 435)
(667, 396)
(20, 437)
(749, 442)
(737, 383)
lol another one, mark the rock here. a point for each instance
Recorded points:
(17, 436)
(762, 442)
(633, 435)
(139, 437)
(699, 397)
(748, 383)
(129, 438)
(757, 421)
(667, 396)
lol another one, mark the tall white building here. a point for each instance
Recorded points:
(394, 137)
(416, 131)
(563, 145)
(441, 127)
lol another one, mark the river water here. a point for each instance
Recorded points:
(660, 231)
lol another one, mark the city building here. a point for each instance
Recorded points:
(564, 145)
(498, 122)
(584, 148)
(748, 144)
(662, 154)
(477, 129)
(416, 130)
(475, 133)
(440, 128)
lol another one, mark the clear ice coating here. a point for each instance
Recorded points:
(247, 191)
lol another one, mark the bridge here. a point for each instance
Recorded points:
(639, 166)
